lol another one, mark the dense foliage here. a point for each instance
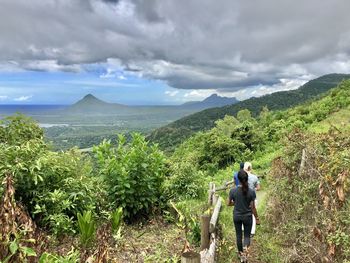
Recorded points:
(52, 186)
(173, 134)
(133, 173)
(310, 202)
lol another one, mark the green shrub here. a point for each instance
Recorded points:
(185, 181)
(66, 189)
(53, 186)
(133, 173)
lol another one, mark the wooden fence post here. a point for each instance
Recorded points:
(208, 255)
(210, 194)
(205, 239)
(190, 257)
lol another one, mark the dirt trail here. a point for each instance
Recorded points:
(261, 197)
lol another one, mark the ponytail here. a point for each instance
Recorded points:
(243, 179)
(245, 187)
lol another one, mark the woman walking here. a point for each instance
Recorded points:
(243, 199)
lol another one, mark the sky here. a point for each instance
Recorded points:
(166, 51)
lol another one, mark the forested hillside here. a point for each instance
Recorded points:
(173, 134)
(71, 206)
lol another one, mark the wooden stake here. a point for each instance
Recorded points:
(208, 255)
(210, 194)
(190, 257)
(205, 220)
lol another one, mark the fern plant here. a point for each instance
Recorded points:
(87, 228)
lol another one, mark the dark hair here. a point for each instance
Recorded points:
(243, 179)
(241, 165)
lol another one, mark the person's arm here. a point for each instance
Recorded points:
(257, 184)
(257, 187)
(231, 199)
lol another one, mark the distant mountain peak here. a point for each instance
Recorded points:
(91, 104)
(214, 100)
(90, 99)
(89, 96)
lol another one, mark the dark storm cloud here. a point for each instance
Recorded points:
(197, 44)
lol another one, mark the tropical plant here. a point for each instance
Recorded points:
(19, 250)
(71, 257)
(87, 228)
(133, 173)
(116, 219)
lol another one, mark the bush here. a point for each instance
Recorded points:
(53, 186)
(185, 182)
(308, 208)
(134, 174)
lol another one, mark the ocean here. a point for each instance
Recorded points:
(6, 110)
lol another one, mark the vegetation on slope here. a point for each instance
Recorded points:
(173, 134)
(212, 151)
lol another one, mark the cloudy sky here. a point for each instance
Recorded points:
(166, 51)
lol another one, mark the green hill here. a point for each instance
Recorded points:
(174, 133)
(339, 120)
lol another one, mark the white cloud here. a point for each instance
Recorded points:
(23, 98)
(3, 97)
(101, 83)
(171, 93)
(198, 94)
(260, 90)
(108, 75)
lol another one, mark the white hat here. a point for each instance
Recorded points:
(247, 166)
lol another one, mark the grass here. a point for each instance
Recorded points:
(339, 119)
(267, 245)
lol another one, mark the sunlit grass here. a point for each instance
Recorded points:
(339, 120)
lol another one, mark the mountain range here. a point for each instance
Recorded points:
(89, 104)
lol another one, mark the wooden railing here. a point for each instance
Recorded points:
(209, 240)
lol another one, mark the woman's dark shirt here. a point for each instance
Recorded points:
(241, 201)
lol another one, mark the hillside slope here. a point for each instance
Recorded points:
(171, 135)
(338, 120)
